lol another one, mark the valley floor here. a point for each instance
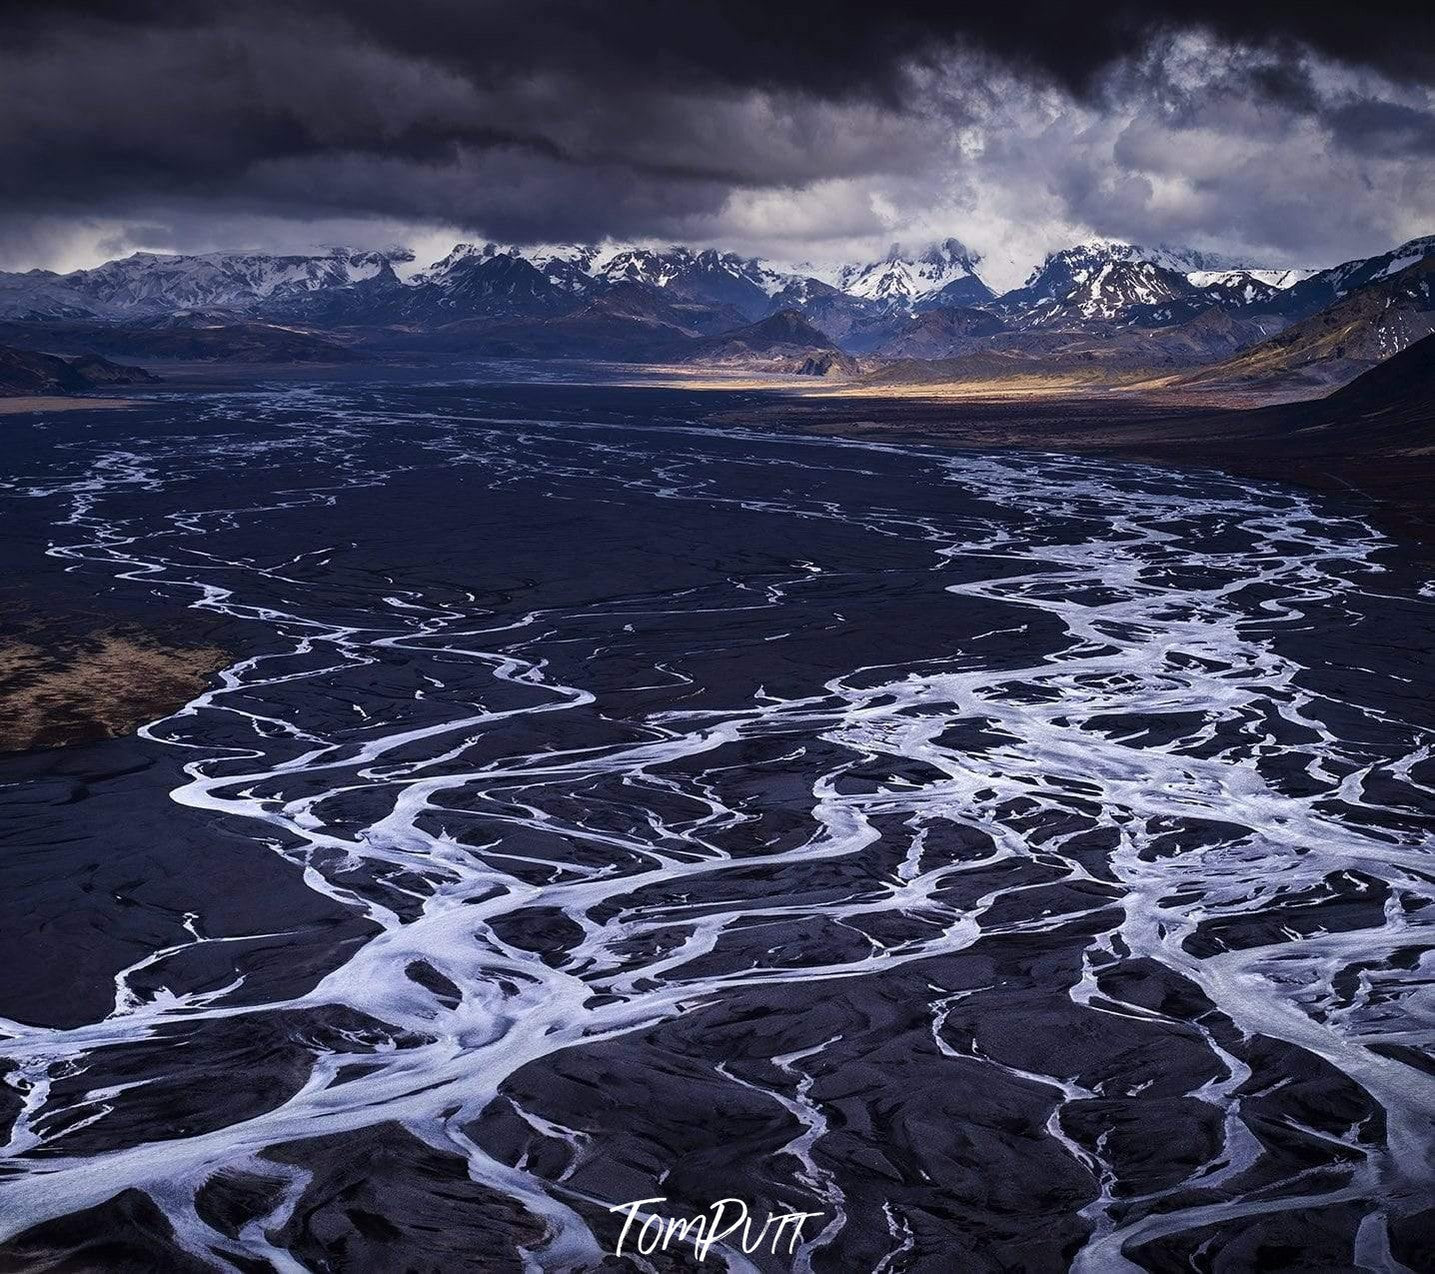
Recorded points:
(1373, 440)
(1013, 859)
(1317, 442)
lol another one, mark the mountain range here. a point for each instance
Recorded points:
(1104, 306)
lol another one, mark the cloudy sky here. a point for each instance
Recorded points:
(1284, 133)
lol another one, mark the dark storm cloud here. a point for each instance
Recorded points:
(628, 118)
(1387, 128)
(814, 46)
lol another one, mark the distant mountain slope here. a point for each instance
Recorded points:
(24, 372)
(941, 333)
(624, 323)
(1370, 325)
(41, 294)
(189, 337)
(1404, 382)
(963, 292)
(1376, 434)
(855, 324)
(1324, 288)
(785, 342)
(947, 348)
(1390, 409)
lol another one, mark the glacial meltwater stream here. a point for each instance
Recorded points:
(1021, 862)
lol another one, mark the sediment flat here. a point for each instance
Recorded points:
(30, 403)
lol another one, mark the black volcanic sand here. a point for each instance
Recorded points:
(1023, 863)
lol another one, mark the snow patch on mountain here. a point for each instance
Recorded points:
(1278, 279)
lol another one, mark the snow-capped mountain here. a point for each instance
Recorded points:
(642, 265)
(1182, 260)
(1325, 287)
(450, 261)
(1107, 281)
(682, 274)
(156, 283)
(39, 295)
(457, 261)
(709, 277)
(1097, 281)
(474, 281)
(947, 270)
(569, 267)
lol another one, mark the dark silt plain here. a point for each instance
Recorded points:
(1020, 859)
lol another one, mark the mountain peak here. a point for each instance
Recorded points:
(905, 281)
(953, 250)
(1424, 245)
